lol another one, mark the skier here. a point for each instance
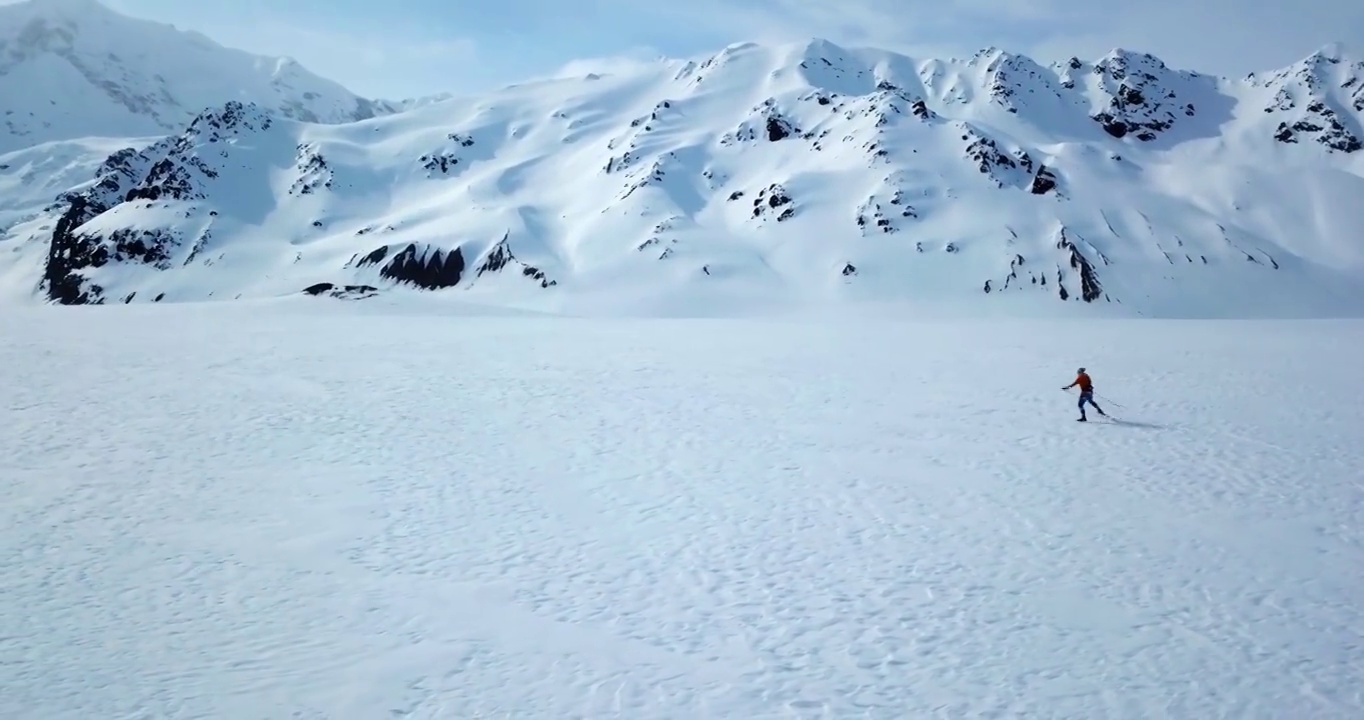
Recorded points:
(1086, 393)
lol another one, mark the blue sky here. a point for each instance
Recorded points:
(404, 48)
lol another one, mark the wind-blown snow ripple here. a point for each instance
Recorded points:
(215, 511)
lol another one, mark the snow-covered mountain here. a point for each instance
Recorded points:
(763, 175)
(72, 69)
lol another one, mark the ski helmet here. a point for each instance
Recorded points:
(1080, 370)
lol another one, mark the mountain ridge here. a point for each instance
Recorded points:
(801, 173)
(75, 68)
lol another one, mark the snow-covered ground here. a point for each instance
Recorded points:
(322, 510)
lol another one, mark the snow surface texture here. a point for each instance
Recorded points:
(231, 510)
(762, 177)
(71, 69)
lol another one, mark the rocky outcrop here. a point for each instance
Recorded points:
(779, 128)
(1322, 126)
(774, 200)
(71, 252)
(645, 122)
(1003, 169)
(657, 170)
(638, 131)
(313, 171)
(1315, 98)
(1143, 94)
(1043, 182)
(432, 268)
(1016, 82)
(1090, 287)
(873, 217)
(342, 292)
(168, 180)
(425, 267)
(171, 170)
(500, 257)
(1018, 269)
(445, 160)
(767, 122)
(185, 172)
(232, 119)
(656, 239)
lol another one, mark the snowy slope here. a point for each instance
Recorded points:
(261, 510)
(72, 69)
(763, 177)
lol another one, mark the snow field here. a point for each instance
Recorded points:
(289, 510)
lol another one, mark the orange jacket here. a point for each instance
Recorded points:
(1083, 381)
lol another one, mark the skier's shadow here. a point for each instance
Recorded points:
(1136, 424)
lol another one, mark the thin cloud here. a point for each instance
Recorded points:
(631, 60)
(1217, 36)
(469, 48)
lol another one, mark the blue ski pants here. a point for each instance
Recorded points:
(1088, 397)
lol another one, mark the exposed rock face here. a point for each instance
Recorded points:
(444, 161)
(1322, 126)
(185, 172)
(70, 252)
(172, 170)
(1143, 95)
(431, 268)
(425, 267)
(872, 216)
(779, 129)
(765, 121)
(1090, 288)
(1011, 169)
(314, 173)
(1044, 182)
(343, 292)
(1319, 100)
(769, 199)
(501, 257)
(1016, 82)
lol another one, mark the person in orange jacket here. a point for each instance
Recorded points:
(1086, 393)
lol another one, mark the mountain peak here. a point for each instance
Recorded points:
(68, 13)
(823, 46)
(1132, 58)
(1327, 65)
(76, 68)
(820, 50)
(1333, 52)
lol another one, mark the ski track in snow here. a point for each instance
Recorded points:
(222, 512)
